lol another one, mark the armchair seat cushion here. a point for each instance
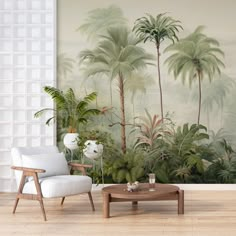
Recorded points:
(60, 186)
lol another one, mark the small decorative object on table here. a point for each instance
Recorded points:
(131, 187)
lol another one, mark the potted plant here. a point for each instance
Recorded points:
(91, 142)
(70, 111)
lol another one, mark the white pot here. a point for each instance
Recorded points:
(70, 140)
(92, 150)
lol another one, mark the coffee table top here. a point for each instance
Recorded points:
(120, 191)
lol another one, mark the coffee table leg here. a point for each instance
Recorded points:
(181, 202)
(106, 205)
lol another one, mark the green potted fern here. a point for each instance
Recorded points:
(70, 111)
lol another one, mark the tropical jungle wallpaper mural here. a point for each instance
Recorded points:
(159, 80)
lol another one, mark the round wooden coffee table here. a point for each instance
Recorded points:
(119, 193)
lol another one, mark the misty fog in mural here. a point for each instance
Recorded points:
(165, 80)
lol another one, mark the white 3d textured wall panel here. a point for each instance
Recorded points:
(27, 63)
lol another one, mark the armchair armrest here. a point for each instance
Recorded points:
(81, 167)
(33, 170)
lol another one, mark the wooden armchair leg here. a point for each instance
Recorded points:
(39, 194)
(20, 195)
(43, 210)
(21, 186)
(91, 200)
(62, 200)
(15, 206)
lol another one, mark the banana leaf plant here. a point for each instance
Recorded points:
(69, 110)
(188, 147)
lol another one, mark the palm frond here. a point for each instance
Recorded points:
(41, 112)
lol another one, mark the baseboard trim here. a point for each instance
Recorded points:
(199, 187)
(192, 187)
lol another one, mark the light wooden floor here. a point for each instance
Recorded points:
(207, 213)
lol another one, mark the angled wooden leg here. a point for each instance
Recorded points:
(16, 203)
(43, 210)
(22, 183)
(39, 194)
(91, 200)
(62, 200)
(181, 202)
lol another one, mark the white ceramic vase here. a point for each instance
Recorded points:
(92, 150)
(70, 140)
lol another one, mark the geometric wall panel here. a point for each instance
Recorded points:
(27, 63)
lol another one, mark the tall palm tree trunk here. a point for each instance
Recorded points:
(208, 118)
(122, 109)
(221, 115)
(200, 96)
(111, 97)
(133, 112)
(159, 79)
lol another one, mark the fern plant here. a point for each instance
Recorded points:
(223, 168)
(69, 110)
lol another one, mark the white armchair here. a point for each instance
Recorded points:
(43, 172)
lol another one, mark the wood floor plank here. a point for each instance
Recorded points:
(207, 213)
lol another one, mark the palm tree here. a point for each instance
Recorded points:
(156, 30)
(214, 94)
(195, 57)
(117, 55)
(100, 19)
(97, 23)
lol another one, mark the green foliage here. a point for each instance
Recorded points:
(182, 154)
(137, 83)
(178, 155)
(116, 56)
(186, 147)
(195, 53)
(127, 167)
(100, 19)
(65, 65)
(215, 93)
(156, 29)
(116, 53)
(150, 128)
(69, 110)
(186, 137)
(223, 168)
(195, 57)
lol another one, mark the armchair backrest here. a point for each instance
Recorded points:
(17, 153)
